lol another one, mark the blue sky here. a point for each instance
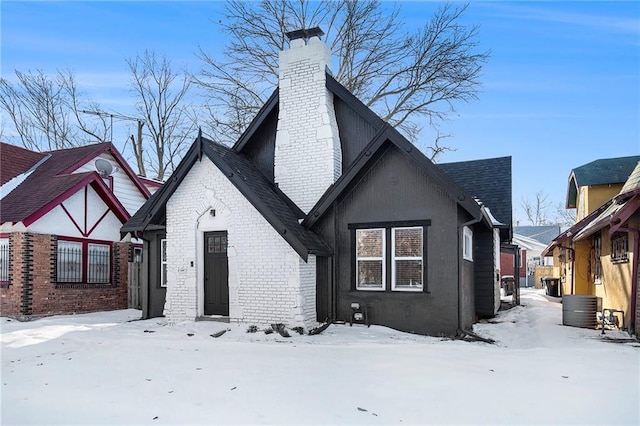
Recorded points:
(562, 87)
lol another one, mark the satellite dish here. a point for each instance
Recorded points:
(103, 167)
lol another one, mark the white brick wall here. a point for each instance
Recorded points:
(268, 281)
(308, 158)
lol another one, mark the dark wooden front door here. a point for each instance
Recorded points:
(216, 274)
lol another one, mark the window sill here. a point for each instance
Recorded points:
(83, 285)
(615, 261)
(407, 290)
(370, 289)
(414, 292)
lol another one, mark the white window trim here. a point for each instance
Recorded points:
(163, 262)
(381, 259)
(394, 258)
(467, 247)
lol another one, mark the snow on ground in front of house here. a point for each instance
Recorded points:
(108, 368)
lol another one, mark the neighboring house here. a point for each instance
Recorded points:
(595, 183)
(60, 219)
(544, 234)
(531, 242)
(321, 211)
(598, 256)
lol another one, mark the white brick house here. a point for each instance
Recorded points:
(277, 286)
(319, 207)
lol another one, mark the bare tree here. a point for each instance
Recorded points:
(45, 111)
(404, 76)
(536, 210)
(540, 211)
(162, 101)
(564, 216)
(437, 148)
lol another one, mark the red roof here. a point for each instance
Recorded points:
(15, 161)
(52, 182)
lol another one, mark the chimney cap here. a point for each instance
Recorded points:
(304, 33)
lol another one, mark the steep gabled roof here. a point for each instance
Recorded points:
(389, 135)
(279, 210)
(53, 181)
(488, 180)
(275, 207)
(15, 161)
(599, 172)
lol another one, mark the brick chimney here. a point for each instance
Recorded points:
(308, 158)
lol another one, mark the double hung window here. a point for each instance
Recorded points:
(370, 268)
(407, 259)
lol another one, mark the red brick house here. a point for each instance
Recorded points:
(60, 216)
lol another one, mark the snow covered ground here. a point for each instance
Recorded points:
(108, 368)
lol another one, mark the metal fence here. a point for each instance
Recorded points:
(4, 262)
(70, 263)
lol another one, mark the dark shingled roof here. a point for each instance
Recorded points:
(487, 180)
(15, 161)
(605, 171)
(272, 203)
(599, 172)
(50, 181)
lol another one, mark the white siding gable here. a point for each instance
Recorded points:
(123, 187)
(78, 221)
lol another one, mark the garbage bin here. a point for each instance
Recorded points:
(552, 286)
(507, 282)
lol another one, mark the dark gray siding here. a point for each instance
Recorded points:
(355, 131)
(394, 189)
(261, 147)
(323, 288)
(153, 294)
(467, 278)
(483, 260)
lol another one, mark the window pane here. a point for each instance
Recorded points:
(217, 244)
(69, 262)
(409, 274)
(369, 242)
(408, 242)
(99, 260)
(4, 259)
(163, 281)
(163, 262)
(370, 274)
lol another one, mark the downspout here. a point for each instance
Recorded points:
(460, 228)
(634, 276)
(573, 260)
